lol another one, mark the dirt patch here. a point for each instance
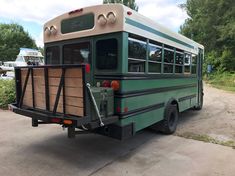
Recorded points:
(216, 121)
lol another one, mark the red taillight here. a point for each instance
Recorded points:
(115, 85)
(118, 109)
(76, 11)
(106, 83)
(88, 68)
(129, 13)
(55, 120)
(125, 109)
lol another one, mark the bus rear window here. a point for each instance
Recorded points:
(106, 54)
(77, 53)
(53, 55)
(76, 24)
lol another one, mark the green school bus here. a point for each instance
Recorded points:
(112, 71)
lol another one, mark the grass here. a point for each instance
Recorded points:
(225, 81)
(206, 138)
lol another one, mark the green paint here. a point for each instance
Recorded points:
(156, 32)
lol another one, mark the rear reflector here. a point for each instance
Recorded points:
(55, 120)
(68, 122)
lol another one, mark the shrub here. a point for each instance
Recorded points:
(7, 92)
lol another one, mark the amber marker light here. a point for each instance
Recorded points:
(68, 122)
(115, 85)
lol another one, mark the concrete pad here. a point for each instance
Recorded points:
(46, 150)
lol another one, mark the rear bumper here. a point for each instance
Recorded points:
(46, 117)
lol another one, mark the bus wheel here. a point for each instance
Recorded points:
(170, 121)
(199, 107)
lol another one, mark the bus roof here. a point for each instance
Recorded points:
(126, 20)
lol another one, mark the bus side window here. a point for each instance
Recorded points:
(137, 50)
(168, 60)
(107, 54)
(194, 64)
(187, 63)
(179, 62)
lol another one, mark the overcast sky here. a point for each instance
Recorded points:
(32, 14)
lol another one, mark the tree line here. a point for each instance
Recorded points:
(12, 38)
(212, 23)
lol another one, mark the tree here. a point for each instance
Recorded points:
(212, 23)
(12, 38)
(128, 3)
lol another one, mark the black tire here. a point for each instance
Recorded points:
(199, 107)
(169, 123)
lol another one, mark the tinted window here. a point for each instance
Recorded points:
(76, 53)
(194, 64)
(107, 54)
(53, 55)
(137, 49)
(154, 67)
(168, 56)
(77, 23)
(187, 63)
(179, 61)
(155, 53)
(168, 68)
(136, 65)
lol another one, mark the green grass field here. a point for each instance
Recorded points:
(225, 81)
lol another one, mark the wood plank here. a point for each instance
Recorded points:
(40, 100)
(74, 111)
(71, 92)
(54, 72)
(73, 73)
(74, 101)
(69, 82)
(70, 73)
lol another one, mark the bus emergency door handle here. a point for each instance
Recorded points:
(95, 105)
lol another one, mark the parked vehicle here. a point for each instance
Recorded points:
(111, 71)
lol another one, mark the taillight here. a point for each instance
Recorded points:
(55, 120)
(68, 122)
(105, 83)
(115, 85)
(88, 68)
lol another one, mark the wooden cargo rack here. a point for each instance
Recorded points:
(56, 89)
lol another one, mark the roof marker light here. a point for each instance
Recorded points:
(102, 20)
(129, 13)
(53, 30)
(111, 17)
(47, 31)
(75, 11)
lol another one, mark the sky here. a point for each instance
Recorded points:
(32, 14)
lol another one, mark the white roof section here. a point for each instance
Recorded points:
(125, 21)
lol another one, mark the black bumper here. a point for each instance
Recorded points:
(46, 117)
